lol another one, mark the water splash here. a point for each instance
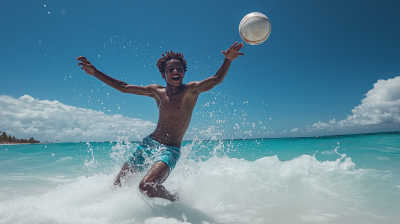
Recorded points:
(119, 152)
(92, 164)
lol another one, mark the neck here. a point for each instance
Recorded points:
(171, 90)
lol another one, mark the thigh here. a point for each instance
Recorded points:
(169, 157)
(158, 173)
(137, 161)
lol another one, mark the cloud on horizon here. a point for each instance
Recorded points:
(27, 117)
(378, 111)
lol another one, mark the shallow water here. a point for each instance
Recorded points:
(339, 179)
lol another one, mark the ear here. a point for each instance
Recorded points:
(163, 75)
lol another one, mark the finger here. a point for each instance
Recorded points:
(81, 58)
(240, 53)
(80, 63)
(239, 46)
(237, 49)
(233, 45)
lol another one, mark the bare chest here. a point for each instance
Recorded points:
(177, 105)
(172, 104)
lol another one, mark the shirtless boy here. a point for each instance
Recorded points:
(175, 103)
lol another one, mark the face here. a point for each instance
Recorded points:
(173, 72)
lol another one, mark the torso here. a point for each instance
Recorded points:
(175, 113)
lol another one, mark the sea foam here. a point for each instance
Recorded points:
(213, 189)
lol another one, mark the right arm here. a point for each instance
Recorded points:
(231, 54)
(115, 83)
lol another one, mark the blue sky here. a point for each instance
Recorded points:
(318, 64)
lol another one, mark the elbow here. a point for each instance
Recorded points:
(217, 81)
(123, 88)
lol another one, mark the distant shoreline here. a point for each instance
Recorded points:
(14, 143)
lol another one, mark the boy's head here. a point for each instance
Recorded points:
(172, 67)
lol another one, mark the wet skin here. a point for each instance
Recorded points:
(175, 103)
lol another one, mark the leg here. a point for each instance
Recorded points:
(124, 170)
(151, 183)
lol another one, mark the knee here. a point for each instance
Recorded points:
(147, 188)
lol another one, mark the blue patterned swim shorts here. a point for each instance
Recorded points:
(150, 151)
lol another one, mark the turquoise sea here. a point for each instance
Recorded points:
(331, 179)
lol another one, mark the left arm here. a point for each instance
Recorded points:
(207, 84)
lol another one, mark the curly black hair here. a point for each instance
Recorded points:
(168, 56)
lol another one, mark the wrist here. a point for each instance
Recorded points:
(227, 59)
(95, 72)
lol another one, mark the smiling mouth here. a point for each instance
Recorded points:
(175, 78)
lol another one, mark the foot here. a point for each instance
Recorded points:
(174, 197)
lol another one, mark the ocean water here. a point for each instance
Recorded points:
(336, 179)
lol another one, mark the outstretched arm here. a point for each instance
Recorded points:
(115, 83)
(231, 54)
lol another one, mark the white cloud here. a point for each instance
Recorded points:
(294, 130)
(378, 111)
(27, 117)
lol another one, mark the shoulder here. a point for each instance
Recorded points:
(155, 87)
(149, 90)
(192, 86)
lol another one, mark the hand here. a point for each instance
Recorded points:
(233, 52)
(86, 65)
